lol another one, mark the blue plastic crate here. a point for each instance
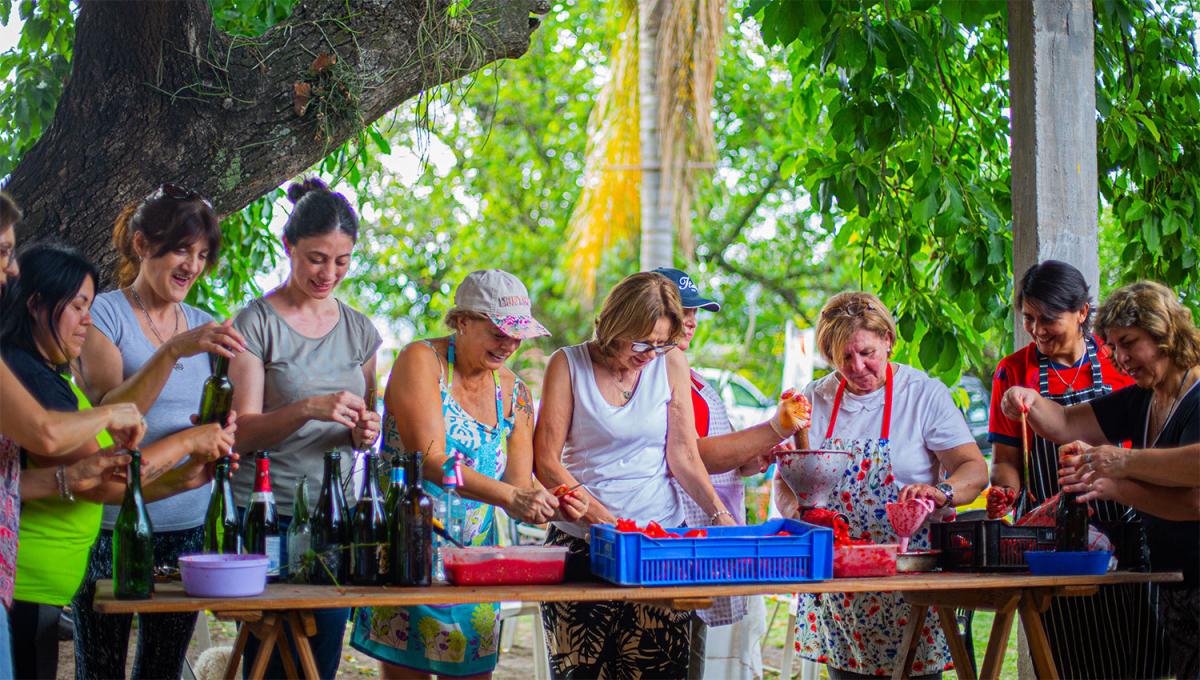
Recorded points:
(749, 554)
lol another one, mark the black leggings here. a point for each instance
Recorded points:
(34, 629)
(102, 640)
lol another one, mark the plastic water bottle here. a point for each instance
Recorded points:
(450, 509)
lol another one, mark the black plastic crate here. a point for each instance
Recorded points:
(987, 544)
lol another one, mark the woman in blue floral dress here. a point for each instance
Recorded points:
(454, 395)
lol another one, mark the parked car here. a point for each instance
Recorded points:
(745, 403)
(979, 400)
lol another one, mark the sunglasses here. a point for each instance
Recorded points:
(852, 309)
(176, 193)
(643, 347)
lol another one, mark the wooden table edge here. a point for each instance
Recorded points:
(170, 597)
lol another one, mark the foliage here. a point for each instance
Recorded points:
(897, 132)
(1148, 98)
(859, 144)
(34, 71)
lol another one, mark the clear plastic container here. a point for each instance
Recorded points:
(511, 565)
(854, 561)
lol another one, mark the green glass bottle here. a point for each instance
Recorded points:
(216, 398)
(410, 534)
(222, 533)
(133, 540)
(299, 535)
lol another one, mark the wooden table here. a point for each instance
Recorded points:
(286, 605)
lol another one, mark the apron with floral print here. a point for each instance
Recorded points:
(861, 632)
(453, 639)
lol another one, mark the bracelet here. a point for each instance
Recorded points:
(717, 515)
(778, 428)
(64, 491)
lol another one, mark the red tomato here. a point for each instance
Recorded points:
(696, 533)
(654, 530)
(784, 533)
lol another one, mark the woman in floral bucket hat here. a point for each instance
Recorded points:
(457, 393)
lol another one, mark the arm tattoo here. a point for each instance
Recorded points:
(524, 401)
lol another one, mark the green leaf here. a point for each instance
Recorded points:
(1147, 161)
(931, 349)
(380, 141)
(950, 354)
(753, 7)
(1137, 210)
(907, 325)
(925, 209)
(852, 51)
(1144, 120)
(1150, 233)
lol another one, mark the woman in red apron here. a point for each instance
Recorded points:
(1067, 365)
(905, 435)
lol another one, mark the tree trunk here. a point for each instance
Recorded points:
(158, 94)
(658, 233)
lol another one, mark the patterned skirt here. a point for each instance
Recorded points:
(614, 639)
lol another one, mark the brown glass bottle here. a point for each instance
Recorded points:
(331, 527)
(1071, 524)
(369, 564)
(410, 533)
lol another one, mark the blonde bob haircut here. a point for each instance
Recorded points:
(632, 309)
(846, 313)
(1155, 309)
(456, 315)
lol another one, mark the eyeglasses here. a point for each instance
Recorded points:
(851, 309)
(176, 193)
(643, 347)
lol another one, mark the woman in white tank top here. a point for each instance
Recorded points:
(616, 416)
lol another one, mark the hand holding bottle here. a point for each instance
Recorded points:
(210, 442)
(337, 407)
(126, 424)
(94, 470)
(215, 338)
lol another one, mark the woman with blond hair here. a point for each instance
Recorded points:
(616, 416)
(1157, 343)
(908, 440)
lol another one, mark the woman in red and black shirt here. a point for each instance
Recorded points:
(1067, 364)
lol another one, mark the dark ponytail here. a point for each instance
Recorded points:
(1056, 287)
(318, 211)
(10, 214)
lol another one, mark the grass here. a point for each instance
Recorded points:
(981, 626)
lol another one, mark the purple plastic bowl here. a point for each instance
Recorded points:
(214, 575)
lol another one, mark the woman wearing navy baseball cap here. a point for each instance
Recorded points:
(732, 648)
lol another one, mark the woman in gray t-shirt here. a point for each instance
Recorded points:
(302, 388)
(147, 347)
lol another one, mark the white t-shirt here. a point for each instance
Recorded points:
(924, 420)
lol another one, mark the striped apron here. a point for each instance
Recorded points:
(1114, 633)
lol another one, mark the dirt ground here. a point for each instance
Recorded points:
(515, 663)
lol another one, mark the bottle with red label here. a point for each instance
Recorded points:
(260, 531)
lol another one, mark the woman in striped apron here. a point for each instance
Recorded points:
(1112, 634)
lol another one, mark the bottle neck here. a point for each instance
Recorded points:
(370, 485)
(220, 366)
(262, 473)
(397, 478)
(135, 473)
(412, 472)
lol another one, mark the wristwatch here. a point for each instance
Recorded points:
(946, 490)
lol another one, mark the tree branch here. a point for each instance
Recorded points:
(183, 102)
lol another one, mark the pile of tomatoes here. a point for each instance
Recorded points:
(654, 530)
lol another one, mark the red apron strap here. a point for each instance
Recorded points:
(887, 406)
(837, 406)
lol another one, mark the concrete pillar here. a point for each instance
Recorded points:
(1052, 81)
